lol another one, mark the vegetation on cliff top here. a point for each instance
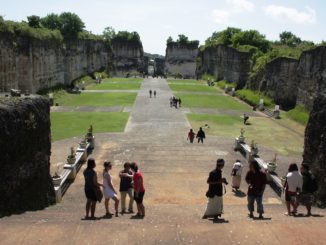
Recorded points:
(182, 40)
(111, 36)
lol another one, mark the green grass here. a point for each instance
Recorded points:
(221, 84)
(262, 130)
(115, 86)
(185, 81)
(193, 88)
(253, 97)
(211, 101)
(95, 99)
(299, 114)
(70, 124)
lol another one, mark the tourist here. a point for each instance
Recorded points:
(236, 175)
(191, 136)
(109, 191)
(139, 190)
(245, 118)
(292, 187)
(171, 102)
(179, 102)
(215, 182)
(90, 185)
(126, 188)
(175, 102)
(154, 93)
(200, 135)
(256, 180)
(309, 186)
(150, 93)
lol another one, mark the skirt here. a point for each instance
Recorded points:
(214, 206)
(236, 180)
(108, 192)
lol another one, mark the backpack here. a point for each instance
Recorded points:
(313, 183)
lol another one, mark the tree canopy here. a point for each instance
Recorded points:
(182, 40)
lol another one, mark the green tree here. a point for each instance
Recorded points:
(51, 21)
(183, 39)
(222, 37)
(289, 39)
(169, 40)
(109, 33)
(34, 21)
(71, 25)
(251, 37)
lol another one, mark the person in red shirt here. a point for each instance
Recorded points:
(257, 181)
(191, 136)
(139, 190)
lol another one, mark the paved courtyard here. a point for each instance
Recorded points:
(175, 175)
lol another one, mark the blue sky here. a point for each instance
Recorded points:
(156, 20)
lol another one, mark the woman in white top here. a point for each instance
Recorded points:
(236, 175)
(292, 186)
(108, 190)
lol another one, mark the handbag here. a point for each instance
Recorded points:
(98, 193)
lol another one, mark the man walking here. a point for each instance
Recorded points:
(150, 93)
(215, 191)
(201, 135)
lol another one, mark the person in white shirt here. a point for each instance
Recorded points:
(236, 175)
(292, 186)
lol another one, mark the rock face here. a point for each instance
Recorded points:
(311, 75)
(127, 58)
(181, 60)
(315, 145)
(279, 81)
(25, 147)
(30, 64)
(225, 63)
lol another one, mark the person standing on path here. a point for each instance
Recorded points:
(191, 136)
(215, 191)
(139, 190)
(150, 93)
(154, 93)
(292, 186)
(109, 191)
(256, 180)
(308, 188)
(200, 135)
(126, 188)
(179, 101)
(90, 184)
(236, 175)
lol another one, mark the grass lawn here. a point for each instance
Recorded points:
(211, 101)
(186, 81)
(263, 131)
(95, 99)
(117, 83)
(70, 124)
(193, 88)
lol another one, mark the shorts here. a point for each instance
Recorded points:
(90, 194)
(290, 196)
(139, 198)
(306, 199)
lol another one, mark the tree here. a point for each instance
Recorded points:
(108, 33)
(289, 39)
(222, 37)
(170, 40)
(183, 39)
(51, 21)
(71, 24)
(34, 21)
(251, 37)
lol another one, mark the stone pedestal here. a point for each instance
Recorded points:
(73, 170)
(58, 194)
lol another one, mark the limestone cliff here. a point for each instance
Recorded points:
(127, 57)
(180, 59)
(315, 145)
(30, 64)
(25, 147)
(279, 81)
(225, 63)
(311, 75)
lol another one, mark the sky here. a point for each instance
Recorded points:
(156, 20)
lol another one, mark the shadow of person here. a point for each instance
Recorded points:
(136, 217)
(90, 219)
(219, 221)
(247, 124)
(265, 218)
(107, 216)
(301, 215)
(239, 193)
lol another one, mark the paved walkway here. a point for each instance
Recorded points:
(175, 175)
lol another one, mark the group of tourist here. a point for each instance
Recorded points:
(200, 135)
(175, 102)
(298, 188)
(131, 184)
(152, 92)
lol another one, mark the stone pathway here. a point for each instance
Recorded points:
(175, 175)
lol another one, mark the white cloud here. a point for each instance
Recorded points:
(283, 13)
(221, 16)
(241, 5)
